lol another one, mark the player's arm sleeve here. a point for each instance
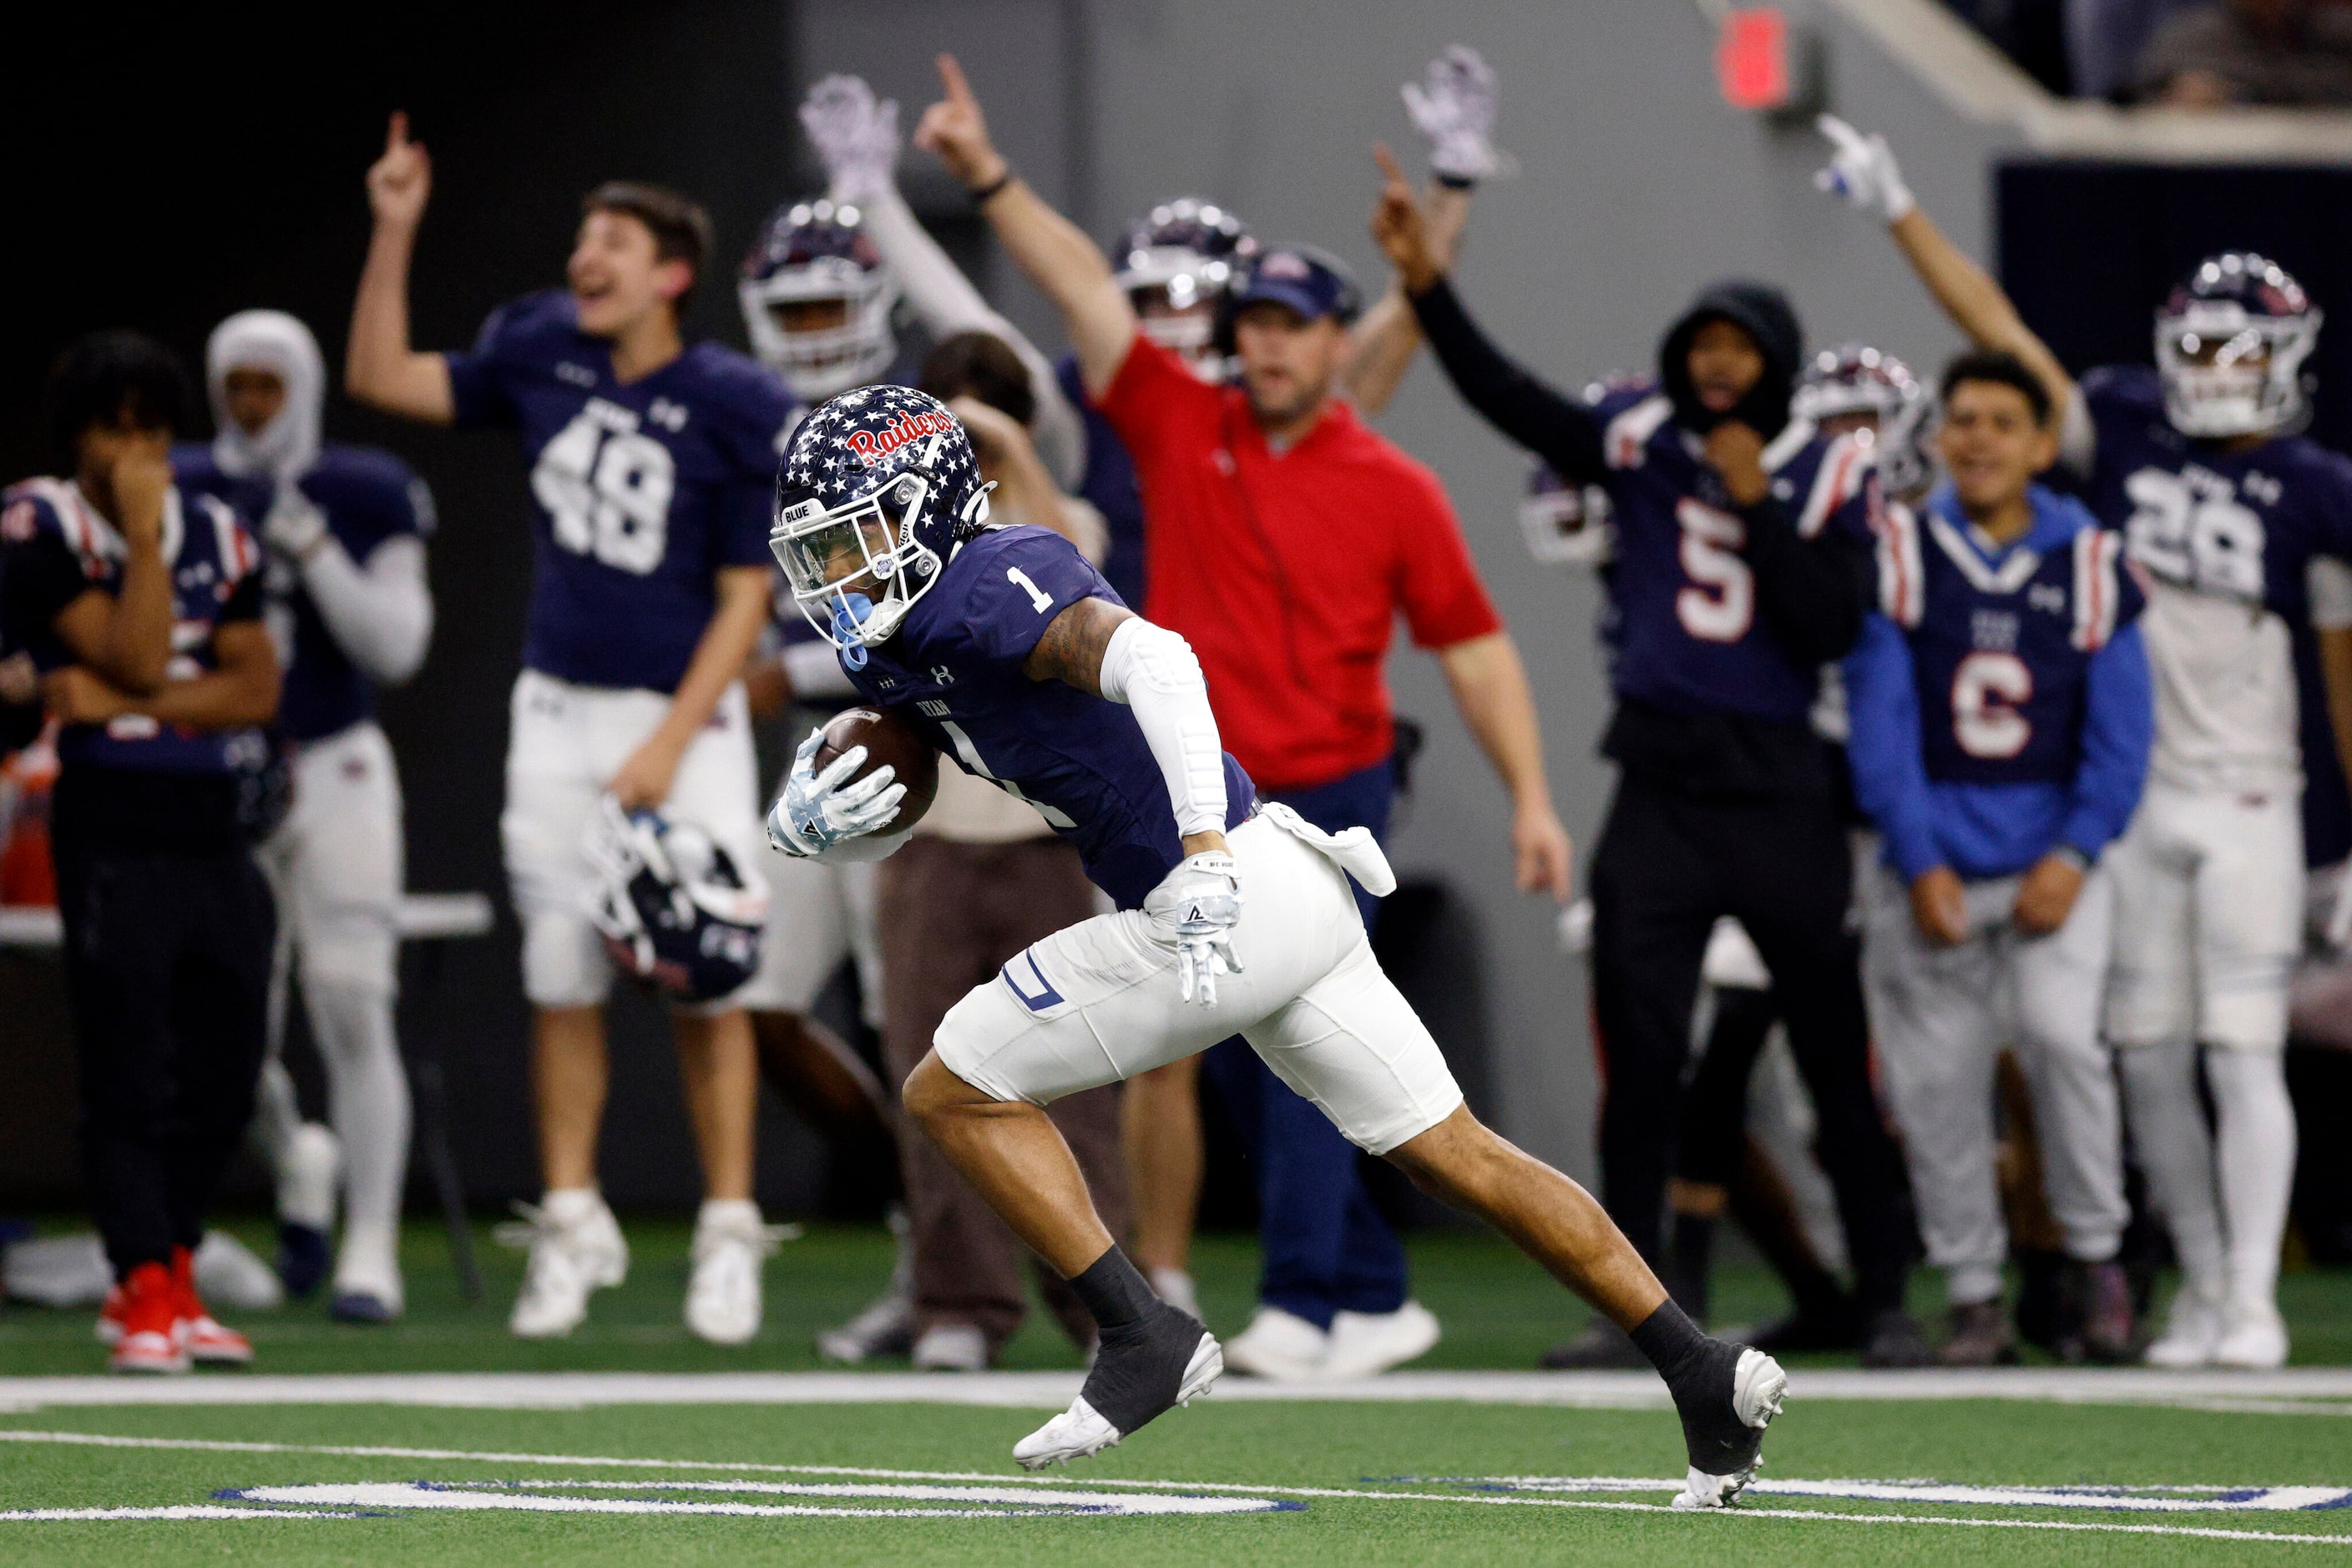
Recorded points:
(1153, 670)
(2118, 729)
(1890, 772)
(1812, 592)
(1555, 427)
(1445, 602)
(477, 384)
(946, 303)
(379, 611)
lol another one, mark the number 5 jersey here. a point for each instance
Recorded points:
(2226, 540)
(641, 491)
(1998, 702)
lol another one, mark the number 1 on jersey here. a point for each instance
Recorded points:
(1039, 600)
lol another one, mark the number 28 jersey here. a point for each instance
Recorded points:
(641, 493)
(2226, 540)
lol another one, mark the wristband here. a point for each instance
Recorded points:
(981, 197)
(1458, 182)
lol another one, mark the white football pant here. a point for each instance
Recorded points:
(1943, 1015)
(2209, 924)
(1097, 1003)
(335, 864)
(566, 743)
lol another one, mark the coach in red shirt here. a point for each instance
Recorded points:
(1282, 539)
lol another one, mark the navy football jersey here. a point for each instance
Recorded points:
(1686, 635)
(62, 548)
(367, 497)
(1110, 486)
(954, 667)
(2001, 640)
(2244, 525)
(641, 493)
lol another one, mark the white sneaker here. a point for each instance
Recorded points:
(575, 1248)
(2253, 1337)
(1365, 1344)
(2192, 1327)
(228, 1272)
(731, 1245)
(951, 1347)
(1280, 1345)
(1175, 1287)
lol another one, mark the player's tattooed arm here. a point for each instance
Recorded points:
(1072, 650)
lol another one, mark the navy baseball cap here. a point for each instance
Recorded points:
(1307, 279)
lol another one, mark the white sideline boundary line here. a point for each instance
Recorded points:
(1333, 1493)
(2289, 1391)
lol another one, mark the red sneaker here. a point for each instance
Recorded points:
(147, 1309)
(207, 1343)
(109, 1317)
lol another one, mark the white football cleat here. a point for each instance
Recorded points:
(1279, 1345)
(2253, 1339)
(1080, 1430)
(2191, 1329)
(1758, 1387)
(1365, 1344)
(951, 1347)
(575, 1248)
(730, 1247)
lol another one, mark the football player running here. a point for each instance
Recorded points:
(344, 528)
(2223, 507)
(649, 482)
(1011, 654)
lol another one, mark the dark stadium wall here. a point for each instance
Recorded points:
(191, 163)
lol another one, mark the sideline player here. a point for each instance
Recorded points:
(142, 609)
(649, 461)
(1011, 655)
(344, 529)
(2000, 725)
(2224, 508)
(1286, 539)
(1742, 566)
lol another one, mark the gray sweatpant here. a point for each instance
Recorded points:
(1942, 1015)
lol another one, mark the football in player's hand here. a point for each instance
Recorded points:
(890, 741)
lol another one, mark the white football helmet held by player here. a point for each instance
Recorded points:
(818, 299)
(2231, 343)
(673, 907)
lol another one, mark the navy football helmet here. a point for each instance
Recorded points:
(673, 907)
(811, 255)
(1175, 264)
(2231, 343)
(1855, 386)
(877, 489)
(1565, 524)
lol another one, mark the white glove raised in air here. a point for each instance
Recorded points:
(819, 810)
(1454, 106)
(855, 137)
(1863, 169)
(1198, 904)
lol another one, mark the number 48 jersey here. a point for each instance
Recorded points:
(2226, 540)
(641, 491)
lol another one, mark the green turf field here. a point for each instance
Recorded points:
(1294, 1481)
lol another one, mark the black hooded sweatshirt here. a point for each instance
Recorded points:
(1811, 593)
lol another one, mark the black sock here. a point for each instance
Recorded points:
(1113, 1292)
(1672, 1342)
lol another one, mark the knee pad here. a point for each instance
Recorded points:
(563, 961)
(352, 949)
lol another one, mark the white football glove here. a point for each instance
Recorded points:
(819, 810)
(1455, 107)
(294, 526)
(1199, 903)
(855, 137)
(1863, 169)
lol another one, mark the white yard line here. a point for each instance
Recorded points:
(2273, 1393)
(1002, 1484)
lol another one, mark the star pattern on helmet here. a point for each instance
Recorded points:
(873, 432)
